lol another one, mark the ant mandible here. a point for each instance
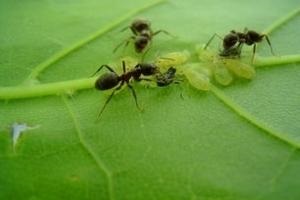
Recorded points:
(233, 42)
(111, 79)
(143, 35)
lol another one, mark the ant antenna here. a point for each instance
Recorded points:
(101, 67)
(210, 40)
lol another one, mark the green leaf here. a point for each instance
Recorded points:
(236, 142)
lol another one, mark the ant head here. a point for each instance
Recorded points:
(107, 81)
(140, 24)
(140, 43)
(230, 40)
(254, 36)
(148, 69)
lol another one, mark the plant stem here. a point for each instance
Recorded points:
(282, 21)
(276, 60)
(64, 52)
(57, 88)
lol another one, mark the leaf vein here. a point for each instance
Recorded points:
(251, 119)
(77, 45)
(100, 164)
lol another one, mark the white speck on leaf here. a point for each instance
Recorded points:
(17, 130)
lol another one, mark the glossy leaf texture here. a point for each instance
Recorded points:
(235, 142)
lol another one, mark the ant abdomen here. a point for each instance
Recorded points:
(230, 40)
(107, 81)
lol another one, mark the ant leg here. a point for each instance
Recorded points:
(124, 29)
(254, 50)
(101, 67)
(162, 31)
(134, 96)
(109, 98)
(209, 41)
(126, 42)
(269, 43)
(124, 66)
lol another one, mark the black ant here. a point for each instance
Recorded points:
(143, 35)
(232, 42)
(111, 79)
(165, 79)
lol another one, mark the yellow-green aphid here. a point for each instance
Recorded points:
(221, 73)
(172, 59)
(197, 75)
(212, 60)
(239, 69)
(205, 55)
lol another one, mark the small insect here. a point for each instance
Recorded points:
(198, 76)
(142, 35)
(232, 42)
(223, 68)
(165, 79)
(172, 59)
(111, 79)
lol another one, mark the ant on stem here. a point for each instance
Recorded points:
(111, 79)
(233, 42)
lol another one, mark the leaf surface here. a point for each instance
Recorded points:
(236, 142)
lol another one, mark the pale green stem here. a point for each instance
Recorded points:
(64, 52)
(282, 21)
(56, 88)
(276, 60)
(18, 92)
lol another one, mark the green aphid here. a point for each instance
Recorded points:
(240, 69)
(172, 59)
(223, 67)
(197, 75)
(221, 73)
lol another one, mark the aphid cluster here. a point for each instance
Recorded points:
(222, 67)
